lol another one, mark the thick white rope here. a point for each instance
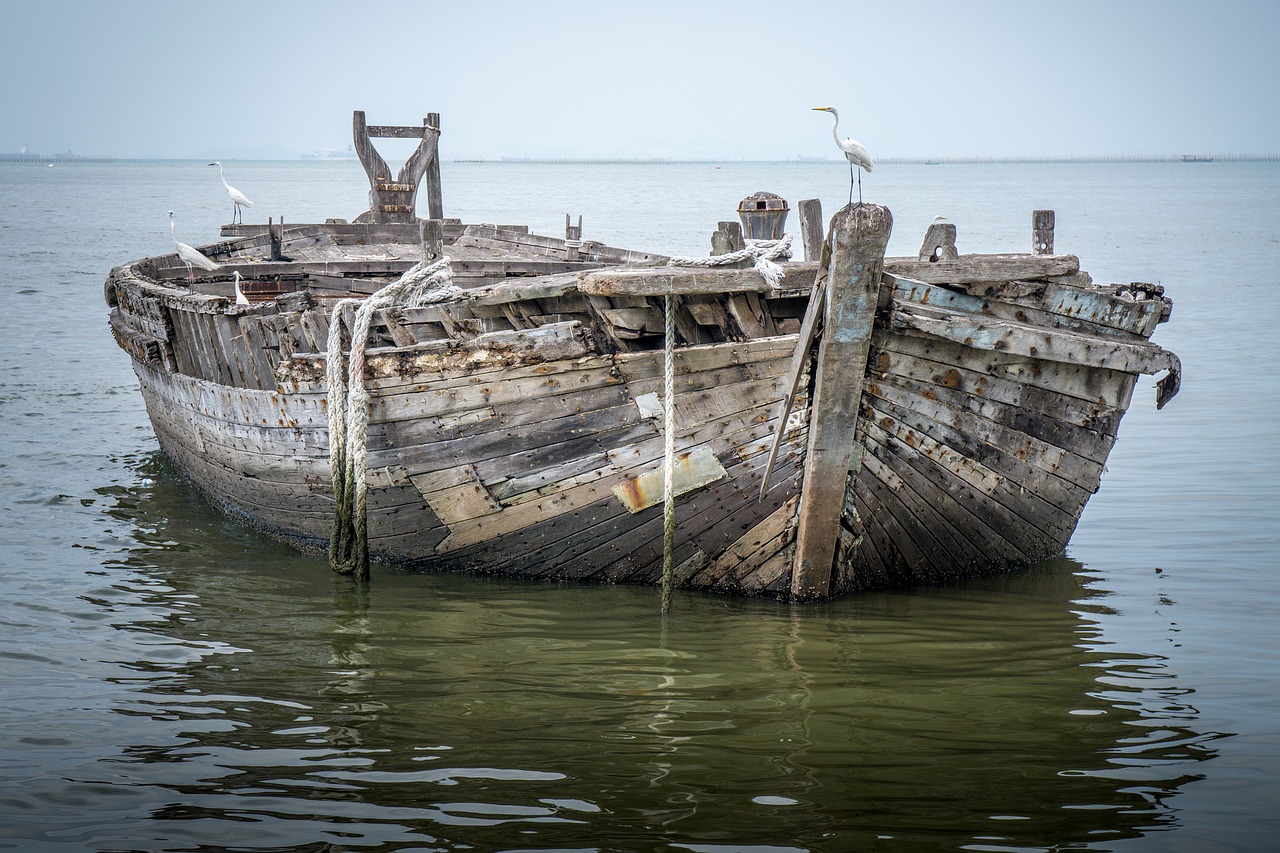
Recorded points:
(762, 252)
(349, 405)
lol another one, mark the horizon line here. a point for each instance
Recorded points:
(577, 160)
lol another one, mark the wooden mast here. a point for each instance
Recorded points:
(859, 237)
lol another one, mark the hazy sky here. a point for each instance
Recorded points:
(646, 79)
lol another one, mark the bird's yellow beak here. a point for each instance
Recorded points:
(822, 109)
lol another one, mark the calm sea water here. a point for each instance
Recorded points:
(172, 682)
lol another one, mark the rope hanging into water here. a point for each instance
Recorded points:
(669, 448)
(762, 252)
(349, 407)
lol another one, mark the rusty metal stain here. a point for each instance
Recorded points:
(692, 470)
(950, 379)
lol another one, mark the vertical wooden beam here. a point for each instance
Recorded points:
(435, 196)
(431, 234)
(572, 238)
(811, 228)
(727, 238)
(1042, 232)
(859, 236)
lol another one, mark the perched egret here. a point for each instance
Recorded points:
(238, 199)
(241, 299)
(188, 255)
(854, 151)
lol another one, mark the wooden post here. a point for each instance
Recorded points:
(431, 232)
(572, 238)
(727, 238)
(277, 238)
(435, 199)
(811, 228)
(859, 236)
(939, 242)
(1042, 232)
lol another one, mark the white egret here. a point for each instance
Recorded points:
(188, 255)
(854, 151)
(238, 199)
(241, 299)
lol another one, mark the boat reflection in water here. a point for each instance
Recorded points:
(281, 705)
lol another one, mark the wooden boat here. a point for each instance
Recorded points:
(840, 423)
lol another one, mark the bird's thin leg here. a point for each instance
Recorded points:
(851, 183)
(859, 189)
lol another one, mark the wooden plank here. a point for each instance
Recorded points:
(970, 268)
(859, 236)
(659, 281)
(1048, 344)
(1072, 467)
(1091, 310)
(1087, 414)
(1066, 494)
(1106, 388)
(692, 470)
(811, 228)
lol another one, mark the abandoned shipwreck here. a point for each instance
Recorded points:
(442, 395)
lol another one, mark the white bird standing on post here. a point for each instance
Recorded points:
(238, 199)
(856, 153)
(188, 255)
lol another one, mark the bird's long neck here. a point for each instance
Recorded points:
(223, 175)
(835, 123)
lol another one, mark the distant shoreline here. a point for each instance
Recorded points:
(662, 161)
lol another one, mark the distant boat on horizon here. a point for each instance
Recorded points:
(1196, 158)
(331, 154)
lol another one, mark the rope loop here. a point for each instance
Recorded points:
(349, 405)
(763, 254)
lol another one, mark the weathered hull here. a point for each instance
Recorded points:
(519, 429)
(511, 470)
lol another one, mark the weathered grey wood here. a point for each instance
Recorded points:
(727, 238)
(658, 281)
(1051, 345)
(858, 237)
(435, 197)
(393, 200)
(813, 318)
(1086, 310)
(939, 243)
(980, 430)
(1042, 222)
(811, 228)
(972, 268)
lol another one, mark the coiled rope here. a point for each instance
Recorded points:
(349, 407)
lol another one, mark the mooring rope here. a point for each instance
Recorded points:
(669, 447)
(349, 407)
(762, 252)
